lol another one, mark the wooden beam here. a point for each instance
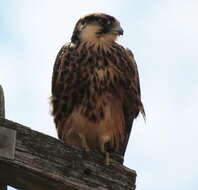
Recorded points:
(43, 162)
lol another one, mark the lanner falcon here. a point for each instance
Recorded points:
(95, 87)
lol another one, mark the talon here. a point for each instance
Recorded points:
(84, 142)
(87, 149)
(107, 155)
(107, 158)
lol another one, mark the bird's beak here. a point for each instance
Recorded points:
(117, 30)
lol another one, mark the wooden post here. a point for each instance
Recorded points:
(43, 162)
(2, 115)
(35, 161)
(2, 103)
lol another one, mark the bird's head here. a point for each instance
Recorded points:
(96, 28)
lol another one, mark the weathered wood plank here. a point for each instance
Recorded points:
(42, 162)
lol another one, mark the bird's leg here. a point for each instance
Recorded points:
(102, 149)
(84, 142)
(65, 136)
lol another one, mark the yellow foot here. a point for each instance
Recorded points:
(84, 142)
(107, 155)
(107, 158)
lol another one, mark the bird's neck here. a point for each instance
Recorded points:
(96, 47)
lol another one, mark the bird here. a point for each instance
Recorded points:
(95, 87)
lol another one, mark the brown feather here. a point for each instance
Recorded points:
(95, 90)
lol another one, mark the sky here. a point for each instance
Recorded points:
(163, 37)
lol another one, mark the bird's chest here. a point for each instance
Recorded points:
(104, 71)
(100, 72)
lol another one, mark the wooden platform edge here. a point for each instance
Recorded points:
(42, 162)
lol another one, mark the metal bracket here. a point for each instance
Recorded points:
(7, 142)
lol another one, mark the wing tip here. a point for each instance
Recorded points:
(142, 111)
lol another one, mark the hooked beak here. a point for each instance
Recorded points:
(117, 30)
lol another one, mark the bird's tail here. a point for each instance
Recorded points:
(142, 111)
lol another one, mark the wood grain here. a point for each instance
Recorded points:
(45, 163)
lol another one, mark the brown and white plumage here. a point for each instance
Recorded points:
(95, 87)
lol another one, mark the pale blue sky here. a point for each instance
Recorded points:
(162, 34)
